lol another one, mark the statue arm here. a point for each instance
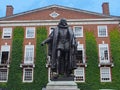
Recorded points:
(49, 39)
(46, 41)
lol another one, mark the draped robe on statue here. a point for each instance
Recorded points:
(65, 42)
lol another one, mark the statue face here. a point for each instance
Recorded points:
(63, 22)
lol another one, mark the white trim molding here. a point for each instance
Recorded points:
(55, 22)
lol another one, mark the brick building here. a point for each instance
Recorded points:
(82, 21)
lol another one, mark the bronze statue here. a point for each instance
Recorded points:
(62, 47)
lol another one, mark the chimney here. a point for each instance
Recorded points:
(105, 8)
(9, 10)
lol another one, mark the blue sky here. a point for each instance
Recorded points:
(89, 5)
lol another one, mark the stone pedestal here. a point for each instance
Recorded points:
(62, 85)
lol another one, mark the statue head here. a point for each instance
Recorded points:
(63, 23)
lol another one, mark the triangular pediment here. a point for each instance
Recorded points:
(55, 12)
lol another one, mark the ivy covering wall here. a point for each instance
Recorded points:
(16, 73)
(92, 70)
(115, 50)
(2, 85)
(41, 75)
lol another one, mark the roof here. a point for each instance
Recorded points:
(57, 6)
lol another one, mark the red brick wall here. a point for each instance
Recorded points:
(64, 13)
(9, 10)
(92, 28)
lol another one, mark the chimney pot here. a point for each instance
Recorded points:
(105, 8)
(9, 10)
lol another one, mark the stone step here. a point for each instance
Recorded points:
(62, 85)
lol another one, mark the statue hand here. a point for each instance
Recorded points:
(42, 44)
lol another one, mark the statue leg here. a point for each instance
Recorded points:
(66, 64)
(58, 61)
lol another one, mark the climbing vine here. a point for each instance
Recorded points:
(40, 71)
(40, 75)
(92, 70)
(15, 72)
(115, 50)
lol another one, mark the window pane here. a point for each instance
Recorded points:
(3, 75)
(28, 75)
(4, 57)
(105, 74)
(79, 74)
(102, 31)
(29, 54)
(4, 54)
(30, 32)
(103, 52)
(80, 53)
(79, 56)
(78, 31)
(7, 32)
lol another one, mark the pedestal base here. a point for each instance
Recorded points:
(62, 85)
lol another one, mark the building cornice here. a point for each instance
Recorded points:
(55, 22)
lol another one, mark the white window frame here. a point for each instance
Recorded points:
(103, 74)
(50, 29)
(79, 69)
(5, 30)
(80, 47)
(5, 48)
(80, 34)
(99, 28)
(4, 75)
(30, 28)
(25, 55)
(29, 81)
(100, 54)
